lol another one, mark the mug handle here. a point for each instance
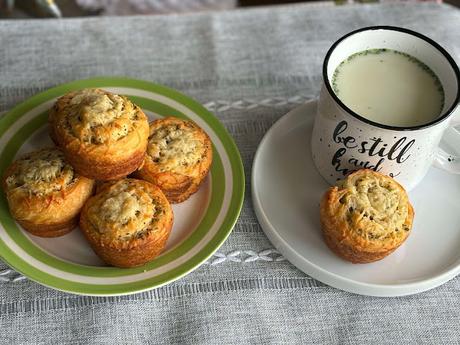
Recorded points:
(448, 161)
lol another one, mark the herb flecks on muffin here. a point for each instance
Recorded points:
(377, 202)
(98, 117)
(179, 156)
(125, 211)
(174, 147)
(42, 173)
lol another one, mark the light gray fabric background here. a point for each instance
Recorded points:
(250, 67)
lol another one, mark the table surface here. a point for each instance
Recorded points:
(249, 67)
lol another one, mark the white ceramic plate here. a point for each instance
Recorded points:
(286, 191)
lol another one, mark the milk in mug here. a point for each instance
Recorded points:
(389, 87)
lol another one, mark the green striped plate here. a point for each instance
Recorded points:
(201, 224)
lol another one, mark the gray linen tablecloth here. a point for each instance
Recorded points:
(249, 67)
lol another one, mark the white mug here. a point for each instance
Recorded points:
(343, 141)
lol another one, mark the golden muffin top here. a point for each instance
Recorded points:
(126, 209)
(40, 173)
(96, 117)
(370, 207)
(176, 145)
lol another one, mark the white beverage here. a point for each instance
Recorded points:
(389, 87)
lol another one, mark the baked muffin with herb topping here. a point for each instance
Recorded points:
(45, 194)
(366, 217)
(179, 156)
(103, 135)
(128, 222)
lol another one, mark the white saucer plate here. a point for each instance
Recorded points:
(286, 191)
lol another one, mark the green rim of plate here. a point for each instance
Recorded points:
(217, 195)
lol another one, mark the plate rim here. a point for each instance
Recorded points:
(236, 195)
(317, 272)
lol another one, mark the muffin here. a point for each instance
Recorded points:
(45, 194)
(127, 223)
(366, 217)
(179, 156)
(103, 135)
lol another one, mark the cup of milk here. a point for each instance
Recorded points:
(388, 97)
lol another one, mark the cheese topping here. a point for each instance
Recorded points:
(97, 117)
(125, 211)
(41, 173)
(376, 203)
(175, 147)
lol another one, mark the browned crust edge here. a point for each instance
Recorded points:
(49, 230)
(175, 193)
(350, 254)
(131, 257)
(95, 170)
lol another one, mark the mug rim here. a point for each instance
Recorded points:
(435, 45)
